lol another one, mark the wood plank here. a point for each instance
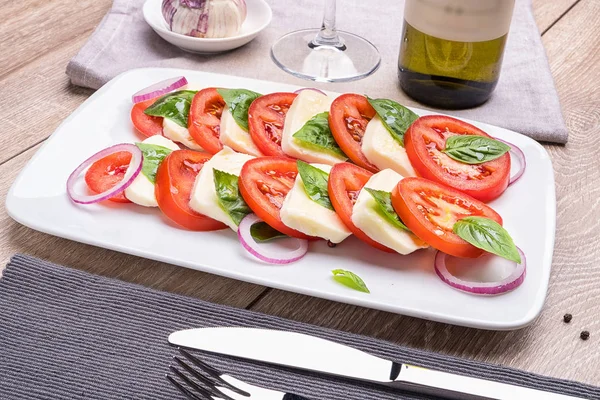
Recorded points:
(37, 98)
(547, 12)
(15, 238)
(548, 346)
(44, 25)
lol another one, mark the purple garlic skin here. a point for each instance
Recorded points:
(205, 18)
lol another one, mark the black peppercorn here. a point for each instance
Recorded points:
(567, 318)
(585, 335)
(331, 244)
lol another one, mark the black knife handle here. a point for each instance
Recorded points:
(289, 396)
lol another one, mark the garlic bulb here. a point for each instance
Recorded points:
(205, 18)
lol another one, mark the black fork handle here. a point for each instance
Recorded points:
(289, 396)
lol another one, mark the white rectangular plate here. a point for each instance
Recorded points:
(400, 284)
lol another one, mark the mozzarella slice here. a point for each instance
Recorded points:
(141, 190)
(178, 133)
(305, 106)
(383, 151)
(300, 212)
(235, 137)
(367, 219)
(204, 195)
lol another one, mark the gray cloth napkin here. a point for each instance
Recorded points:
(69, 335)
(525, 99)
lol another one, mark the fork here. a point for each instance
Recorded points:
(214, 385)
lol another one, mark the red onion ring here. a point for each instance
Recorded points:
(309, 88)
(507, 284)
(158, 89)
(520, 156)
(262, 252)
(135, 166)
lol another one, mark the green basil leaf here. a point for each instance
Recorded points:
(238, 101)
(315, 183)
(263, 232)
(474, 149)
(316, 135)
(385, 208)
(153, 157)
(395, 117)
(228, 194)
(350, 279)
(487, 235)
(174, 106)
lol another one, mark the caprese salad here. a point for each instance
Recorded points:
(305, 166)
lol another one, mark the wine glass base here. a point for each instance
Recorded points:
(297, 54)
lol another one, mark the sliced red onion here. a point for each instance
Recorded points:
(135, 166)
(268, 252)
(507, 284)
(520, 156)
(158, 89)
(310, 88)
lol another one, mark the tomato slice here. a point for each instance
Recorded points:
(345, 182)
(266, 116)
(430, 210)
(205, 119)
(426, 138)
(174, 182)
(264, 182)
(107, 172)
(350, 113)
(147, 125)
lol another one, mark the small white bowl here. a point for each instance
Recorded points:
(259, 17)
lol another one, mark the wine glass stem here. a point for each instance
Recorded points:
(328, 35)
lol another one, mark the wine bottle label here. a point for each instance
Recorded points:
(460, 20)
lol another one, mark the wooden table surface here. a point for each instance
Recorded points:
(40, 36)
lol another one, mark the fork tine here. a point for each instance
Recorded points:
(186, 392)
(212, 372)
(212, 390)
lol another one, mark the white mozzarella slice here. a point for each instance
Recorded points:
(383, 151)
(305, 106)
(179, 134)
(204, 195)
(367, 219)
(235, 137)
(301, 213)
(141, 190)
(159, 140)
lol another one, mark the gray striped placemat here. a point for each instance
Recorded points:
(67, 334)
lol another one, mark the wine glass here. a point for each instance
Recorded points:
(326, 54)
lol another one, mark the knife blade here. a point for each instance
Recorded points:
(297, 350)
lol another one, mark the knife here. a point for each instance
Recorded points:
(310, 353)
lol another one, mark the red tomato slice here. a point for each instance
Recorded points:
(350, 113)
(266, 116)
(345, 182)
(147, 125)
(430, 210)
(426, 138)
(264, 182)
(107, 172)
(174, 182)
(205, 119)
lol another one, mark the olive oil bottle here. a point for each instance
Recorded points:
(451, 50)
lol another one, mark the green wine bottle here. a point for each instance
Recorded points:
(451, 50)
